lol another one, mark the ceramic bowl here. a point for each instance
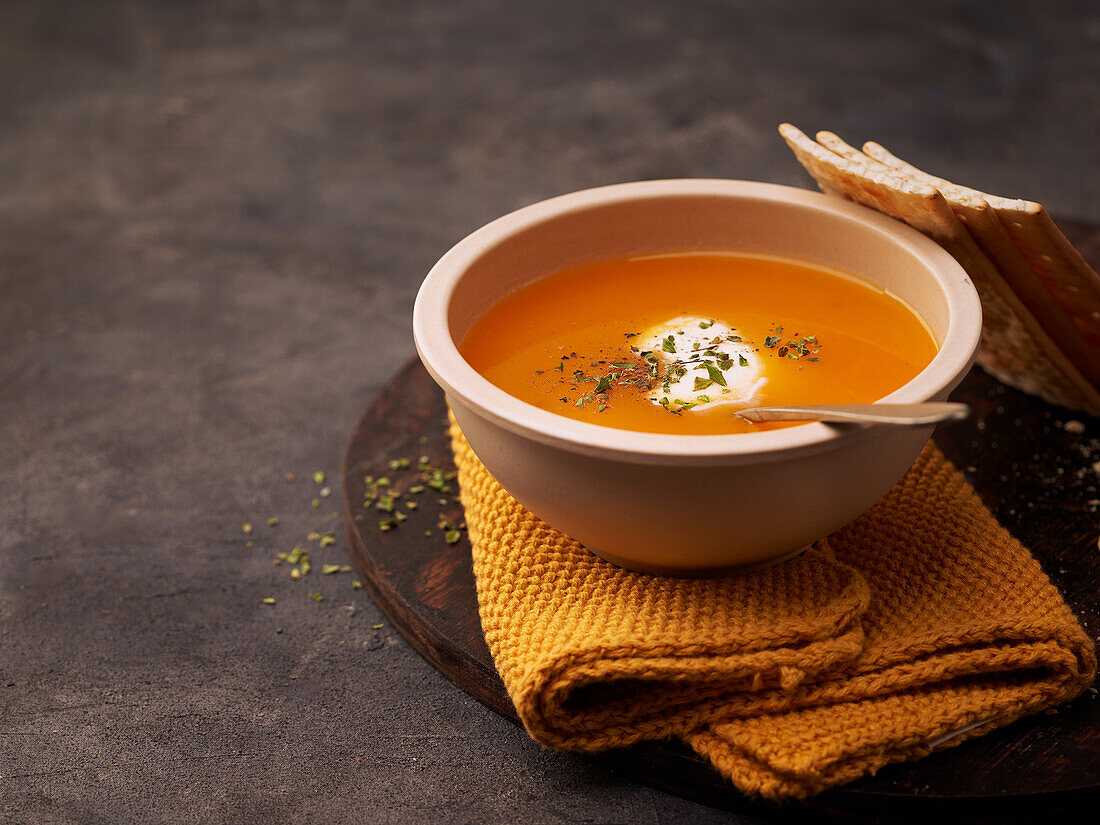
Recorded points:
(690, 505)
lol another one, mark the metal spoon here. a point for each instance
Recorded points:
(895, 415)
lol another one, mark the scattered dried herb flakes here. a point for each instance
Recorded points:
(317, 597)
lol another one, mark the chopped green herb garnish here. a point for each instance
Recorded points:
(702, 383)
(268, 600)
(771, 340)
(604, 384)
(273, 522)
(399, 464)
(319, 477)
(716, 375)
(742, 360)
(706, 324)
(560, 367)
(624, 365)
(356, 585)
(452, 536)
(377, 626)
(317, 597)
(329, 569)
(669, 344)
(704, 399)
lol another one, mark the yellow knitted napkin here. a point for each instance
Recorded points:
(920, 624)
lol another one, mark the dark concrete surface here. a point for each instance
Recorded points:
(214, 217)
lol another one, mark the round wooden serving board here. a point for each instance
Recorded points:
(1035, 473)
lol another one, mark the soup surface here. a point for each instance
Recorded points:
(676, 343)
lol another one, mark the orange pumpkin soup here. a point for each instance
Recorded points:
(676, 343)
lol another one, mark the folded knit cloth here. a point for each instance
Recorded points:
(918, 625)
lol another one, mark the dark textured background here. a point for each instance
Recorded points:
(214, 217)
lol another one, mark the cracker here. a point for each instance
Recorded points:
(1068, 323)
(1038, 243)
(835, 144)
(1015, 347)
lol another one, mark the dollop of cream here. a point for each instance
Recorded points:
(691, 337)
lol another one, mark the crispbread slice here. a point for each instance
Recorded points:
(1039, 244)
(834, 143)
(1073, 331)
(1015, 347)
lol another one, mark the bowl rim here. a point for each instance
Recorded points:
(440, 355)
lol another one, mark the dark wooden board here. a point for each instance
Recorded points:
(1037, 476)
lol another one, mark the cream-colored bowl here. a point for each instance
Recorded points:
(690, 505)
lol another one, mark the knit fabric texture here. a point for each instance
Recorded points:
(918, 625)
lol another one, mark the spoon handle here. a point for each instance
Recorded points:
(897, 415)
